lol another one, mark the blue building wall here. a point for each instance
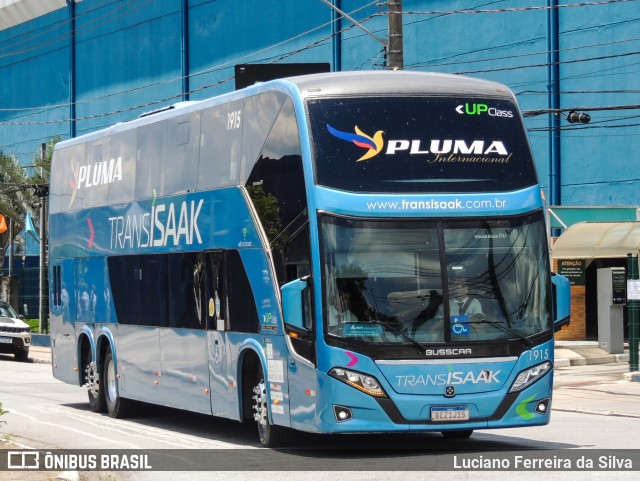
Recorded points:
(129, 59)
(600, 160)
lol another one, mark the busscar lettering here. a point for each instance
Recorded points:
(448, 352)
(166, 224)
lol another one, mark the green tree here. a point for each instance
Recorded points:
(17, 197)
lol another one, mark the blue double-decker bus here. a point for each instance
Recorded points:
(334, 253)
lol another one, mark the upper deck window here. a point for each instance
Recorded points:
(419, 144)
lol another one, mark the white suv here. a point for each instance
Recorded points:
(15, 335)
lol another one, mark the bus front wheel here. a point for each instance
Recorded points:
(116, 406)
(271, 436)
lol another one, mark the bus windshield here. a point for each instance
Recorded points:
(419, 144)
(449, 281)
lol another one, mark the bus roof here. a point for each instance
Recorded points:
(390, 82)
(355, 83)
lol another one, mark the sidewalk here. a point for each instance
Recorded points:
(586, 353)
(583, 353)
(40, 354)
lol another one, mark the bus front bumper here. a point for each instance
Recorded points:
(347, 410)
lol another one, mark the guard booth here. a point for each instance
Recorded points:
(593, 255)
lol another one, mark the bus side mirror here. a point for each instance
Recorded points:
(561, 293)
(295, 305)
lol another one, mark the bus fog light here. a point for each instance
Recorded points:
(342, 413)
(527, 377)
(543, 406)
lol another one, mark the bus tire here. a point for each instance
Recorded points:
(271, 435)
(95, 387)
(457, 434)
(117, 407)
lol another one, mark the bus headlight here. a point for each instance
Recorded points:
(527, 377)
(362, 382)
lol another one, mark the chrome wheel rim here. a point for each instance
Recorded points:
(260, 405)
(111, 382)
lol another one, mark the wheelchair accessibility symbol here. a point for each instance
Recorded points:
(459, 325)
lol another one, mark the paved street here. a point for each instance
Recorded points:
(593, 408)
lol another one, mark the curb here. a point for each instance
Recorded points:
(38, 355)
(631, 376)
(573, 358)
(39, 361)
(41, 340)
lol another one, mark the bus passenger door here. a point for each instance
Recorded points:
(297, 308)
(63, 319)
(214, 308)
(184, 344)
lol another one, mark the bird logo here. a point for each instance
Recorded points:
(372, 144)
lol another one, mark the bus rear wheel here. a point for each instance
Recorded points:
(95, 387)
(271, 436)
(116, 406)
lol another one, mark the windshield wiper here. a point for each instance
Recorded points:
(503, 328)
(397, 331)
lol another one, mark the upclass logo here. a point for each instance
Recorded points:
(481, 109)
(372, 144)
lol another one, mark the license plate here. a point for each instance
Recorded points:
(6, 340)
(449, 413)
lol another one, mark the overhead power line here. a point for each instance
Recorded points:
(547, 64)
(179, 95)
(577, 127)
(459, 61)
(581, 92)
(82, 29)
(513, 9)
(533, 113)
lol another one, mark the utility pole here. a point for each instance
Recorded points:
(184, 47)
(395, 47)
(43, 307)
(72, 68)
(553, 80)
(633, 314)
(11, 247)
(394, 40)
